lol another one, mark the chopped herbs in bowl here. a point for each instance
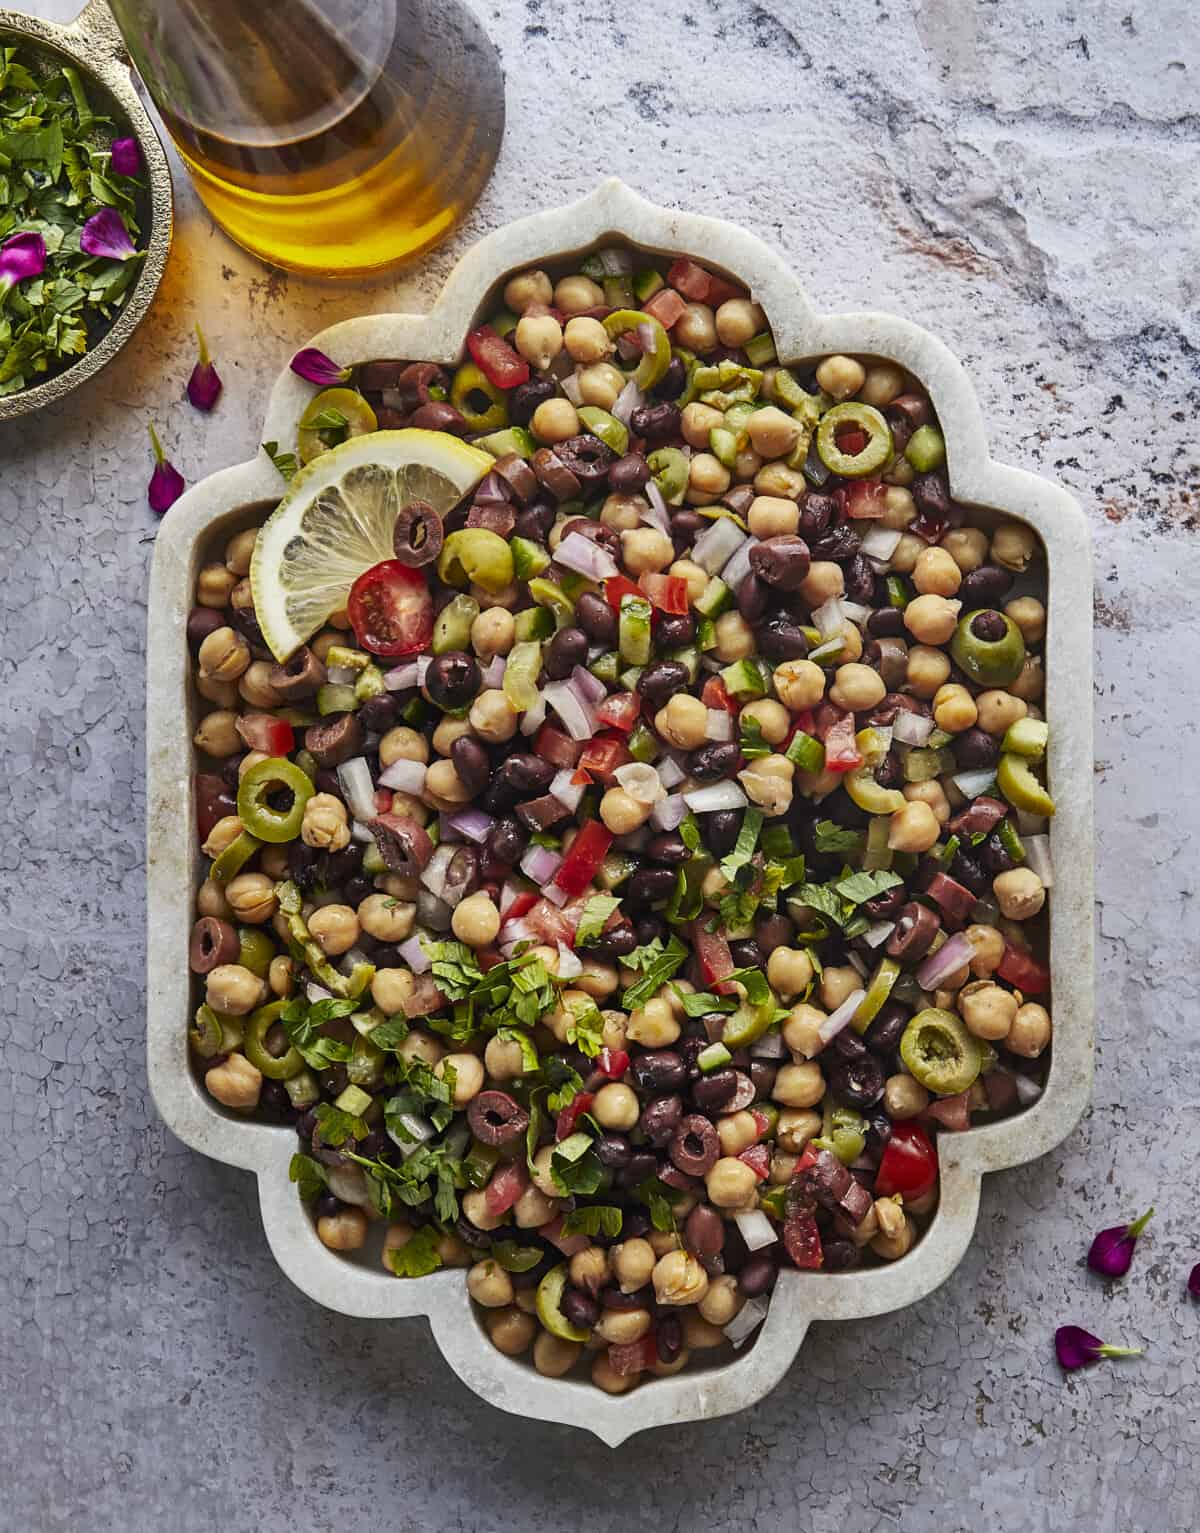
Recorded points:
(622, 767)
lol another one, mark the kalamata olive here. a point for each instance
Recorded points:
(567, 649)
(508, 840)
(650, 928)
(879, 1130)
(649, 885)
(885, 906)
(739, 498)
(300, 676)
(859, 578)
(243, 617)
(890, 774)
(674, 630)
(969, 872)
(758, 1275)
(660, 681)
(989, 625)
(437, 415)
(704, 1231)
(641, 1164)
(659, 1070)
(712, 762)
(753, 597)
(712, 1093)
(985, 587)
(231, 772)
(694, 1147)
(471, 1235)
(720, 830)
(913, 409)
(525, 398)
(838, 1255)
(378, 714)
(496, 1118)
(845, 1045)
(817, 511)
(213, 942)
(743, 1093)
(858, 1082)
(837, 543)
(887, 1027)
(746, 953)
(886, 623)
(668, 1338)
(612, 1151)
(781, 561)
(772, 931)
(763, 1073)
(975, 748)
(628, 474)
(535, 523)
(884, 713)
(453, 679)
(781, 637)
(673, 381)
(994, 857)
(667, 848)
(656, 423)
(685, 525)
(335, 739)
(660, 1119)
(915, 929)
(611, 1296)
(597, 619)
(404, 386)
(579, 1308)
(615, 942)
(587, 457)
(932, 494)
(417, 536)
(201, 622)
(517, 475)
(595, 532)
(554, 475)
(471, 763)
(302, 865)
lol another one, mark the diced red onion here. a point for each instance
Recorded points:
(492, 674)
(837, 1020)
(747, 1320)
(912, 728)
(880, 542)
(717, 544)
(513, 932)
(586, 558)
(627, 401)
(492, 488)
(755, 1229)
(722, 795)
(354, 779)
(533, 718)
(434, 874)
(1027, 1090)
(577, 718)
(878, 932)
(570, 387)
(555, 895)
(739, 566)
(404, 777)
(670, 813)
(315, 992)
(423, 664)
(540, 864)
(670, 773)
(645, 334)
(855, 960)
(641, 782)
(415, 956)
(569, 965)
(719, 725)
(656, 513)
(972, 784)
(855, 612)
(1037, 858)
(471, 823)
(509, 894)
(953, 955)
(403, 677)
(566, 790)
(769, 1046)
(589, 687)
(341, 675)
(829, 617)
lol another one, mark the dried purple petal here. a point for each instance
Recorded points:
(204, 386)
(317, 368)
(1193, 1283)
(22, 256)
(1112, 1250)
(166, 482)
(1076, 1348)
(126, 157)
(105, 234)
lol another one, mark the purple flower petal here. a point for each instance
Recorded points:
(1111, 1252)
(1076, 1348)
(317, 368)
(126, 156)
(105, 234)
(22, 256)
(204, 386)
(1194, 1281)
(166, 482)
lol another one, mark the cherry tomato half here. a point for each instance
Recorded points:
(909, 1165)
(391, 610)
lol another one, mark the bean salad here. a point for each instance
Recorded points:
(624, 878)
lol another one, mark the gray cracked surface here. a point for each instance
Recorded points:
(1021, 179)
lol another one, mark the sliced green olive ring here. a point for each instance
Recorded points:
(260, 817)
(939, 1051)
(333, 416)
(475, 554)
(276, 1067)
(205, 1035)
(235, 856)
(477, 399)
(874, 454)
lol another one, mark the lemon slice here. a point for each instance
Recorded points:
(337, 518)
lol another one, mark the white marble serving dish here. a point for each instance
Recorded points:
(213, 509)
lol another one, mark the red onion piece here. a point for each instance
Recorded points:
(670, 813)
(912, 728)
(837, 1020)
(585, 557)
(540, 864)
(949, 958)
(720, 725)
(628, 400)
(472, 823)
(415, 956)
(573, 710)
(401, 678)
(404, 777)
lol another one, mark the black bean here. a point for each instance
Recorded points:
(686, 524)
(201, 622)
(932, 494)
(612, 1151)
(628, 474)
(889, 1022)
(579, 1308)
(378, 714)
(453, 679)
(338, 867)
(650, 929)
(975, 748)
(985, 587)
(781, 561)
(508, 839)
(993, 857)
(660, 1119)
(710, 763)
(640, 1165)
(712, 1092)
(660, 681)
(773, 931)
(471, 763)
(846, 1045)
(757, 1276)
(668, 1338)
(356, 890)
(616, 942)
(704, 1231)
(597, 618)
(886, 623)
(611, 1297)
(535, 522)
(567, 649)
(839, 1255)
(656, 423)
(659, 1070)
(525, 398)
(673, 381)
(327, 1206)
(782, 637)
(859, 578)
(753, 597)
(667, 848)
(720, 830)
(859, 1082)
(517, 777)
(675, 630)
(649, 885)
(746, 954)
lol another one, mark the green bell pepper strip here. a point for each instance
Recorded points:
(723, 445)
(257, 814)
(256, 950)
(654, 362)
(236, 855)
(1027, 737)
(642, 745)
(807, 752)
(618, 290)
(922, 765)
(346, 987)
(307, 763)
(633, 630)
(669, 470)
(1015, 779)
(533, 623)
(275, 1067)
(529, 559)
(748, 1024)
(452, 628)
(206, 1035)
(865, 418)
(336, 697)
(1010, 840)
(302, 1090)
(479, 1163)
(546, 593)
(898, 591)
(606, 667)
(475, 554)
(646, 283)
(926, 449)
(760, 349)
(713, 1058)
(521, 671)
(370, 684)
(744, 679)
(513, 439)
(470, 381)
(878, 990)
(990, 662)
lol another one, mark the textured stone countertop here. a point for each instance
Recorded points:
(1020, 178)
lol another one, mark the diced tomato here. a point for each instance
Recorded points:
(588, 850)
(761, 1122)
(910, 1162)
(391, 610)
(666, 307)
(567, 1244)
(669, 593)
(689, 279)
(716, 961)
(564, 1124)
(864, 498)
(263, 732)
(213, 802)
(522, 904)
(802, 1241)
(807, 1157)
(951, 1112)
(617, 586)
(613, 1063)
(496, 359)
(758, 1158)
(1023, 972)
(488, 957)
(841, 753)
(620, 709)
(715, 695)
(628, 1357)
(553, 745)
(508, 1182)
(549, 924)
(603, 755)
(803, 722)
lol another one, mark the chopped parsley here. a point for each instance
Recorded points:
(598, 1219)
(336, 1126)
(752, 744)
(586, 1026)
(302, 1024)
(309, 1175)
(743, 851)
(454, 966)
(418, 1257)
(574, 1165)
(595, 917)
(830, 838)
(286, 462)
(657, 965)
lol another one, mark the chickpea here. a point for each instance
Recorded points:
(1030, 617)
(387, 918)
(533, 1209)
(324, 825)
(255, 686)
(344, 1231)
(589, 1269)
(507, 596)
(587, 340)
(905, 554)
(696, 577)
(390, 988)
(789, 970)
(998, 711)
(502, 1059)
(444, 787)
(1013, 545)
(598, 978)
(421, 1045)
(883, 382)
(838, 983)
(735, 638)
(768, 783)
(738, 321)
(696, 329)
(528, 287)
(954, 708)
(935, 573)
(234, 989)
(772, 433)
(800, 1085)
(1030, 1031)
(511, 1331)
(696, 421)
(653, 1025)
(600, 384)
(899, 509)
(824, 580)
(795, 1127)
(841, 376)
(539, 339)
(632, 1263)
(447, 731)
(324, 642)
(987, 1009)
(737, 1131)
(927, 670)
(646, 549)
(857, 688)
(553, 1357)
(771, 516)
(1031, 682)
(468, 1076)
(235, 1083)
(722, 1301)
(404, 744)
(210, 897)
(683, 722)
(622, 813)
(662, 1241)
(623, 513)
(395, 1238)
(335, 928)
(801, 1029)
(223, 834)
(621, 1326)
(476, 921)
(273, 861)
(700, 1334)
(224, 655)
(772, 718)
(281, 976)
(239, 551)
(901, 472)
(779, 479)
(1020, 893)
(931, 619)
(967, 546)
(493, 717)
(708, 478)
(731, 1183)
(616, 1106)
(904, 1097)
(575, 294)
(679, 1279)
(489, 1284)
(799, 684)
(914, 828)
(931, 793)
(989, 950)
(893, 1246)
(214, 586)
(224, 693)
(554, 420)
(492, 633)
(605, 1376)
(251, 897)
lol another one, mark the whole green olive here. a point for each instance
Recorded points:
(988, 647)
